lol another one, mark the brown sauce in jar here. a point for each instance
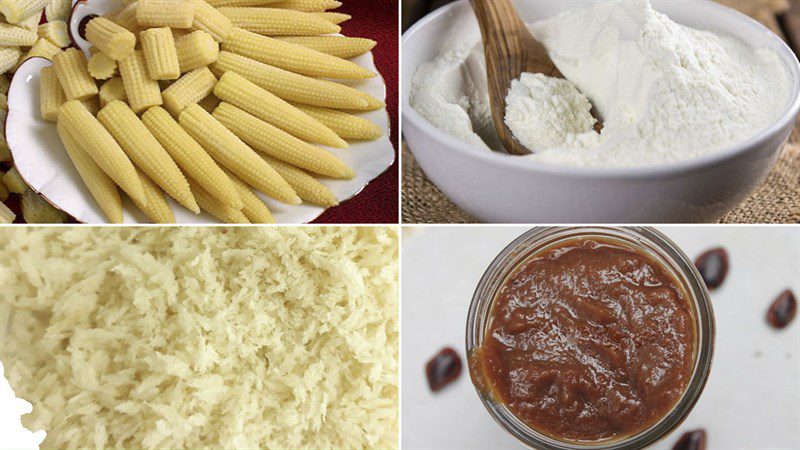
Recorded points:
(590, 340)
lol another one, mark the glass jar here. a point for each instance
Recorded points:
(644, 239)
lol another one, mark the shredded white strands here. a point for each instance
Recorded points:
(203, 337)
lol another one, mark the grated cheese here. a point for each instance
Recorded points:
(203, 337)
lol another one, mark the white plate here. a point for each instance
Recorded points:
(43, 163)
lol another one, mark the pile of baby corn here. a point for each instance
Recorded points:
(22, 37)
(208, 101)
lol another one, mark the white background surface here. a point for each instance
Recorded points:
(12, 434)
(752, 399)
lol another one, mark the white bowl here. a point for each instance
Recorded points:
(43, 163)
(496, 187)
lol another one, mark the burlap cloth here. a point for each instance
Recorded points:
(777, 200)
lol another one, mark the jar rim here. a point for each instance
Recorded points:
(653, 243)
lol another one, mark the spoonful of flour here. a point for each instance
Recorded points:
(545, 112)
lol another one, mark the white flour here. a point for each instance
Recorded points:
(665, 92)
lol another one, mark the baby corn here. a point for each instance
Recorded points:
(17, 11)
(334, 17)
(57, 9)
(9, 57)
(55, 32)
(73, 74)
(160, 54)
(235, 155)
(101, 67)
(14, 182)
(126, 18)
(339, 46)
(293, 87)
(219, 3)
(308, 5)
(36, 209)
(195, 50)
(190, 88)
(111, 90)
(102, 188)
(208, 19)
(190, 157)
(216, 208)
(279, 22)
(51, 96)
(146, 152)
(253, 207)
(215, 103)
(11, 35)
(157, 208)
(112, 39)
(31, 23)
(235, 89)
(347, 126)
(43, 48)
(6, 215)
(292, 57)
(165, 13)
(101, 147)
(142, 91)
(269, 140)
(305, 185)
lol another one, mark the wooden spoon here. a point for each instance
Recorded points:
(510, 50)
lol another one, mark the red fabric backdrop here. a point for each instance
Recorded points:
(377, 20)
